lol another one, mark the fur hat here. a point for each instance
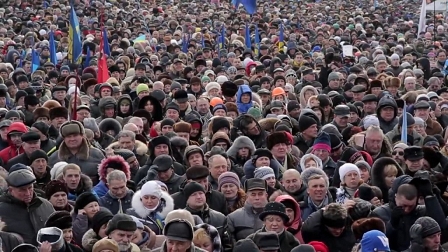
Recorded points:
(51, 104)
(364, 225)
(231, 107)
(84, 199)
(41, 112)
(182, 127)
(277, 138)
(229, 89)
(376, 83)
(116, 163)
(105, 244)
(71, 127)
(180, 214)
(58, 112)
(55, 186)
(59, 219)
(307, 173)
(31, 100)
(88, 83)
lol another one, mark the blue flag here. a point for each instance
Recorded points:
(185, 44)
(74, 42)
(35, 60)
(281, 38)
(249, 5)
(257, 41)
(53, 57)
(106, 48)
(87, 62)
(404, 127)
(222, 40)
(247, 37)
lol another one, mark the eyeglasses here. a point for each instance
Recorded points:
(400, 153)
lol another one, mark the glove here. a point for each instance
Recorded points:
(416, 233)
(395, 217)
(425, 187)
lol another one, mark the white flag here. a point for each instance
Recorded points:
(422, 21)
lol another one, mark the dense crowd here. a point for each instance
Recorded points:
(191, 126)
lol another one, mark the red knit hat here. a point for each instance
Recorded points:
(319, 246)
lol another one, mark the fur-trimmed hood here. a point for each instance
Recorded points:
(213, 234)
(82, 154)
(314, 157)
(241, 142)
(268, 124)
(166, 205)
(140, 147)
(116, 163)
(304, 102)
(89, 239)
(110, 124)
(377, 176)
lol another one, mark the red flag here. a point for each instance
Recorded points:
(103, 71)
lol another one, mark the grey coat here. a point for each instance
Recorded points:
(114, 204)
(243, 222)
(22, 219)
(193, 248)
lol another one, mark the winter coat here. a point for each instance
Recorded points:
(211, 217)
(89, 239)
(307, 207)
(101, 189)
(87, 159)
(153, 220)
(377, 175)
(22, 219)
(81, 224)
(42, 182)
(47, 145)
(12, 151)
(294, 226)
(243, 222)
(20, 159)
(104, 140)
(299, 195)
(116, 205)
(395, 133)
(329, 168)
(314, 230)
(286, 239)
(215, 199)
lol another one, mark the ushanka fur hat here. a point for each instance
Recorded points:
(182, 127)
(361, 226)
(88, 83)
(58, 112)
(51, 104)
(41, 112)
(277, 138)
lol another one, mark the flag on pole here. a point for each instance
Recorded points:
(74, 43)
(281, 38)
(404, 126)
(185, 44)
(103, 71)
(222, 40)
(257, 41)
(87, 62)
(35, 60)
(53, 57)
(247, 37)
(422, 20)
(139, 39)
(106, 42)
(249, 5)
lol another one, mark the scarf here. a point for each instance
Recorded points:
(120, 206)
(317, 207)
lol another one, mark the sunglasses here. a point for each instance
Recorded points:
(400, 153)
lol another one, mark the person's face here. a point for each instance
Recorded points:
(59, 199)
(387, 114)
(322, 154)
(71, 82)
(420, 129)
(279, 150)
(118, 188)
(407, 205)
(39, 165)
(422, 113)
(72, 178)
(73, 140)
(432, 242)
(196, 200)
(91, 209)
(373, 143)
(218, 166)
(262, 161)
(292, 183)
(195, 159)
(351, 179)
(229, 190)
(257, 198)
(68, 234)
(398, 154)
(414, 165)
(60, 95)
(23, 193)
(150, 201)
(365, 175)
(16, 139)
(253, 129)
(317, 189)
(245, 98)
(123, 238)
(172, 114)
(177, 246)
(274, 223)
(341, 121)
(336, 232)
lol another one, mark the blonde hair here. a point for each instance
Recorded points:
(201, 236)
(71, 167)
(390, 169)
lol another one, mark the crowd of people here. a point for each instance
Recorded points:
(304, 127)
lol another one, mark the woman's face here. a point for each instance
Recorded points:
(310, 163)
(351, 179)
(150, 201)
(213, 92)
(274, 223)
(149, 107)
(229, 190)
(124, 107)
(245, 98)
(389, 178)
(206, 245)
(71, 82)
(308, 94)
(68, 234)
(91, 209)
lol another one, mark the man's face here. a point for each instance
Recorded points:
(218, 166)
(432, 242)
(257, 198)
(16, 138)
(373, 143)
(72, 178)
(317, 189)
(118, 188)
(126, 143)
(161, 149)
(73, 140)
(292, 183)
(407, 205)
(414, 165)
(59, 199)
(123, 238)
(23, 193)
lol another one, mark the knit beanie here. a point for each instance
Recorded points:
(84, 199)
(42, 127)
(57, 169)
(151, 188)
(105, 244)
(322, 141)
(255, 112)
(363, 164)
(264, 172)
(103, 216)
(167, 121)
(173, 106)
(319, 246)
(212, 85)
(228, 177)
(141, 88)
(429, 226)
(305, 122)
(346, 168)
(219, 106)
(191, 188)
(38, 154)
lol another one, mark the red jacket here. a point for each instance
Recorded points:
(295, 226)
(11, 151)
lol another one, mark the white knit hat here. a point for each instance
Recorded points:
(57, 169)
(212, 85)
(346, 168)
(264, 172)
(151, 188)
